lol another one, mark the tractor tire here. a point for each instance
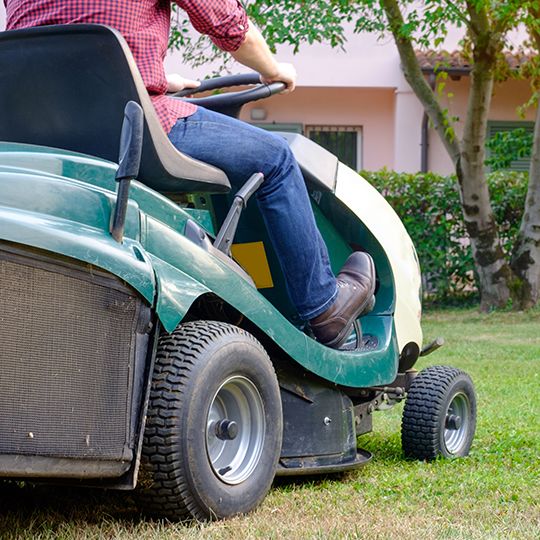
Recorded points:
(214, 424)
(439, 417)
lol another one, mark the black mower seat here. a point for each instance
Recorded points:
(66, 86)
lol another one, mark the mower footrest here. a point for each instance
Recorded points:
(321, 464)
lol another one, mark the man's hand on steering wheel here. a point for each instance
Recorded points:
(177, 83)
(230, 103)
(285, 73)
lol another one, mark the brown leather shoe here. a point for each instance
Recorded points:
(356, 285)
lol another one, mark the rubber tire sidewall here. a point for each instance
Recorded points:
(235, 358)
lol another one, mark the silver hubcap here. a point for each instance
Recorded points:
(235, 430)
(457, 423)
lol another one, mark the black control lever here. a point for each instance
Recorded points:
(225, 236)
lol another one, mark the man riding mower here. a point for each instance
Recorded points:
(149, 340)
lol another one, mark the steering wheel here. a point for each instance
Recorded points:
(230, 103)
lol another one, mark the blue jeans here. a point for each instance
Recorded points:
(240, 150)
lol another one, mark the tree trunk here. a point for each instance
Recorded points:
(526, 254)
(493, 271)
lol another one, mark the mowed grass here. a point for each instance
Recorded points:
(494, 493)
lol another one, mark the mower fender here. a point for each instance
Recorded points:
(176, 292)
(185, 270)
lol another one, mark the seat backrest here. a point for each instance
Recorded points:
(66, 86)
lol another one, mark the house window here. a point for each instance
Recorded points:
(500, 126)
(343, 141)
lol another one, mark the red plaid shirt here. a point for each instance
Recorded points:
(145, 25)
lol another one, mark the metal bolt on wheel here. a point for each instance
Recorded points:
(235, 430)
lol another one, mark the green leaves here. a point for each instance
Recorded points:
(291, 22)
(295, 22)
(507, 146)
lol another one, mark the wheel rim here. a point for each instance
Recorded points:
(235, 430)
(457, 422)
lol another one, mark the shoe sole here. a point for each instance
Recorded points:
(366, 307)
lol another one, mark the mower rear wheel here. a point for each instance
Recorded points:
(439, 417)
(214, 424)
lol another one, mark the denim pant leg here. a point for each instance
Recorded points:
(240, 150)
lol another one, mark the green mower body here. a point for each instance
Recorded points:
(153, 360)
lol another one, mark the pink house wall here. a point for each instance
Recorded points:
(390, 118)
(507, 97)
(372, 109)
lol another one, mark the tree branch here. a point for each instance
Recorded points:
(458, 13)
(415, 77)
(479, 19)
(534, 29)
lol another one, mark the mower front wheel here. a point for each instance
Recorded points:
(439, 417)
(214, 424)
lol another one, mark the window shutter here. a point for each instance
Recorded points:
(343, 141)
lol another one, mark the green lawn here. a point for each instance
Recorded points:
(495, 493)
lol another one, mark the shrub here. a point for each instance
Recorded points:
(429, 207)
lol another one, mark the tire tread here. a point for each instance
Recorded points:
(169, 495)
(420, 426)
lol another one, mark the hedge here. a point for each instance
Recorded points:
(428, 205)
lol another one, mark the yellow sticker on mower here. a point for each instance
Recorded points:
(251, 256)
